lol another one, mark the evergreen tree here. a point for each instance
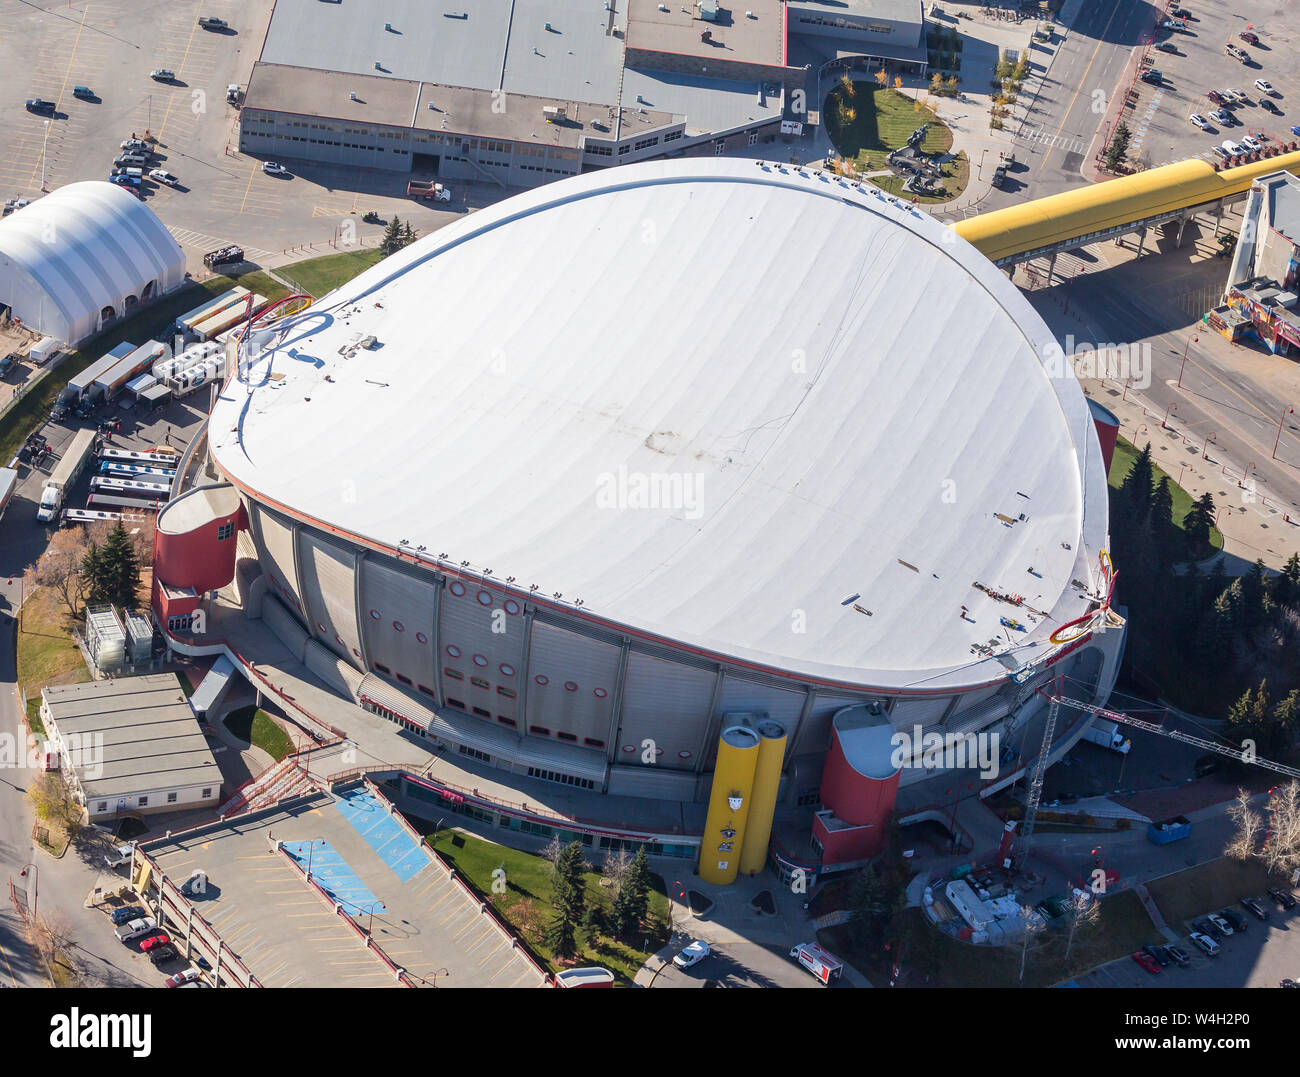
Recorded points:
(570, 901)
(633, 898)
(1197, 524)
(392, 240)
(1287, 714)
(1253, 597)
(119, 568)
(409, 236)
(1162, 524)
(1137, 485)
(92, 575)
(1284, 589)
(561, 935)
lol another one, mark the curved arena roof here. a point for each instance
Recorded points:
(79, 249)
(767, 414)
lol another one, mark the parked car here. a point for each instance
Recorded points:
(1198, 120)
(161, 74)
(180, 978)
(1255, 907)
(1253, 145)
(1147, 962)
(12, 204)
(1180, 13)
(1266, 103)
(1295, 129)
(163, 176)
(1283, 897)
(1239, 923)
(208, 22)
(1288, 982)
(1265, 86)
(1204, 943)
(166, 952)
(692, 955)
(1222, 117)
(123, 180)
(1220, 928)
(1153, 74)
(125, 913)
(39, 104)
(1157, 952)
(1179, 956)
(134, 929)
(1248, 37)
(119, 855)
(1235, 94)
(154, 941)
(1215, 98)
(129, 144)
(6, 365)
(84, 92)
(130, 160)
(273, 168)
(1167, 46)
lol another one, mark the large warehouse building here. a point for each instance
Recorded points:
(74, 262)
(521, 92)
(591, 475)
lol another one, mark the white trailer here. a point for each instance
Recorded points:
(8, 484)
(64, 475)
(90, 516)
(124, 487)
(133, 456)
(96, 502)
(137, 471)
(1108, 735)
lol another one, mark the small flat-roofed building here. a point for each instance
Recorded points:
(130, 744)
(891, 23)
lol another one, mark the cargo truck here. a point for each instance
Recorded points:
(1108, 735)
(428, 190)
(44, 350)
(64, 475)
(136, 362)
(208, 307)
(821, 963)
(75, 390)
(8, 484)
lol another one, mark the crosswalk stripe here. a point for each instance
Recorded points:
(188, 238)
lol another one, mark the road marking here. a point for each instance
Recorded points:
(1100, 39)
(180, 68)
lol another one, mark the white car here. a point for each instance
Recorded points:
(1233, 149)
(692, 955)
(120, 855)
(182, 978)
(1204, 942)
(129, 144)
(163, 176)
(1234, 95)
(1219, 922)
(1222, 117)
(1198, 120)
(1264, 85)
(271, 168)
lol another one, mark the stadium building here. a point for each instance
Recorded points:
(521, 92)
(591, 476)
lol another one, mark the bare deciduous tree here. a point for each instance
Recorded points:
(616, 866)
(54, 936)
(1249, 825)
(1281, 851)
(59, 568)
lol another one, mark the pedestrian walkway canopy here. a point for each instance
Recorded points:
(1008, 234)
(213, 686)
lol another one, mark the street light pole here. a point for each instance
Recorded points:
(1165, 420)
(1278, 439)
(36, 884)
(44, 141)
(1190, 341)
(1209, 438)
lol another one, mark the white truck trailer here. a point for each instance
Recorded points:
(64, 475)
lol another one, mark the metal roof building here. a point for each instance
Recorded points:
(131, 744)
(703, 437)
(111, 255)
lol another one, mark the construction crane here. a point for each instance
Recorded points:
(1040, 765)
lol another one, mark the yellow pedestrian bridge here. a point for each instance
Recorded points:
(1114, 208)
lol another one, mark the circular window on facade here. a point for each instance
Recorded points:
(374, 615)
(599, 693)
(542, 679)
(659, 751)
(323, 630)
(629, 747)
(398, 626)
(507, 669)
(356, 652)
(484, 598)
(339, 641)
(570, 686)
(683, 755)
(457, 588)
(453, 650)
(511, 606)
(420, 637)
(479, 660)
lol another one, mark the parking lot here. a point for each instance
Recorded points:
(222, 196)
(1162, 131)
(1267, 953)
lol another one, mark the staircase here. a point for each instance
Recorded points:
(278, 782)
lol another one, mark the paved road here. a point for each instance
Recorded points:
(1053, 139)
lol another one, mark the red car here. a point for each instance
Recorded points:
(161, 939)
(1147, 962)
(1248, 37)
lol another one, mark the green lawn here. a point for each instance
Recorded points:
(1122, 463)
(1208, 888)
(317, 276)
(257, 727)
(46, 652)
(884, 120)
(526, 903)
(260, 283)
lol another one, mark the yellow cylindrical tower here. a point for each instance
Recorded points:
(767, 781)
(733, 786)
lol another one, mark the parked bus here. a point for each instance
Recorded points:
(130, 456)
(100, 500)
(90, 516)
(129, 487)
(137, 471)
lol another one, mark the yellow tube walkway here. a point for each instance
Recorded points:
(1099, 207)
